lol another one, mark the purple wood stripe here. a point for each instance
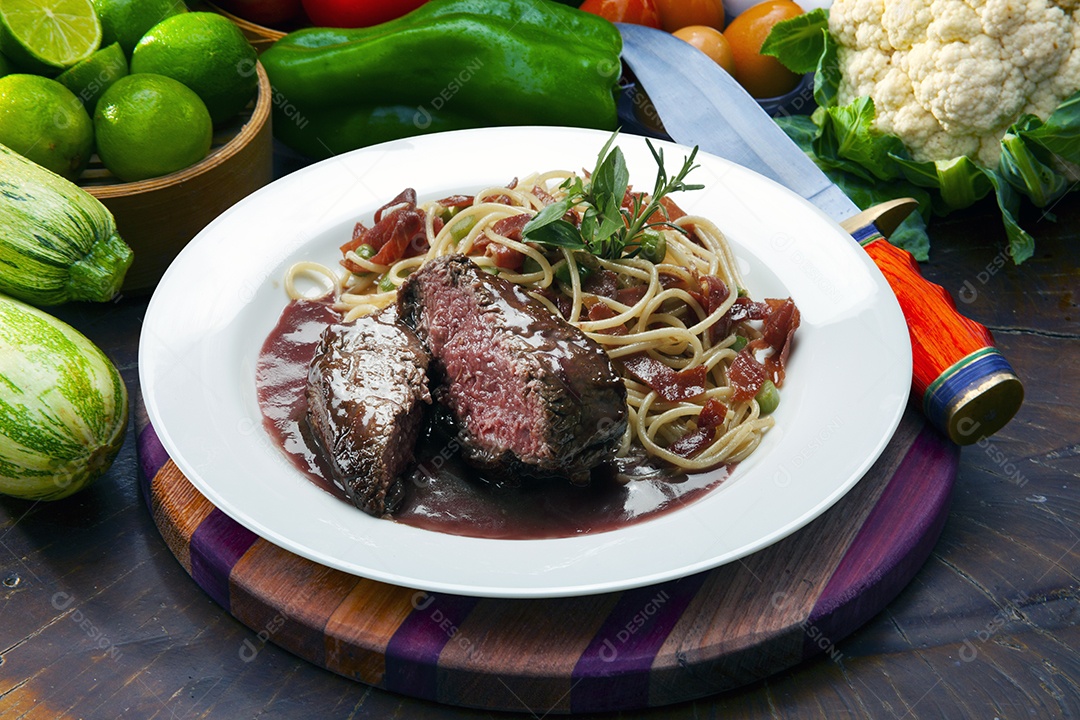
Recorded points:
(613, 672)
(412, 655)
(152, 455)
(216, 546)
(892, 544)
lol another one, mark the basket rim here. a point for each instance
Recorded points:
(259, 117)
(267, 32)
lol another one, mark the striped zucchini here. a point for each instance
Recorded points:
(57, 241)
(63, 406)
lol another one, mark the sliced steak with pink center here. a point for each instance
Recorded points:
(532, 394)
(367, 388)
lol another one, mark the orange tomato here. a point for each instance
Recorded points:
(635, 12)
(761, 75)
(710, 41)
(676, 14)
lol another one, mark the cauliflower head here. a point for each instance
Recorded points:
(948, 77)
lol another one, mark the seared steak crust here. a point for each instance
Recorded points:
(532, 394)
(367, 387)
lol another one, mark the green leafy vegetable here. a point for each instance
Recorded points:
(799, 42)
(801, 129)
(1040, 160)
(803, 44)
(959, 181)
(1026, 166)
(1060, 134)
(910, 234)
(608, 229)
(827, 73)
(1021, 244)
(848, 140)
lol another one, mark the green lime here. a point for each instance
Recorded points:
(90, 78)
(125, 21)
(149, 125)
(46, 36)
(44, 122)
(206, 52)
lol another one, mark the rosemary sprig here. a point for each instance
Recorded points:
(607, 229)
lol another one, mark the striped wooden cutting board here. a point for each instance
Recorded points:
(639, 648)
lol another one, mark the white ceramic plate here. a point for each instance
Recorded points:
(846, 387)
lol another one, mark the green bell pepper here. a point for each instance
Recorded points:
(449, 65)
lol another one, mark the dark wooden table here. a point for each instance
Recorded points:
(98, 620)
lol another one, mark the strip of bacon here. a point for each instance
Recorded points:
(456, 201)
(778, 332)
(358, 233)
(670, 385)
(711, 417)
(674, 212)
(543, 195)
(742, 309)
(746, 375)
(406, 197)
(712, 292)
(602, 282)
(668, 281)
(402, 228)
(511, 227)
(419, 243)
(631, 295)
(377, 236)
(504, 199)
(505, 257)
(600, 311)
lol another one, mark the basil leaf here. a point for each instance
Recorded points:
(610, 180)
(548, 215)
(559, 233)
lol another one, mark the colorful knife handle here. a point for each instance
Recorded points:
(968, 389)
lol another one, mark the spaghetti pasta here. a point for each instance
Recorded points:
(666, 310)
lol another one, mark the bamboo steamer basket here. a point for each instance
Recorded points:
(159, 216)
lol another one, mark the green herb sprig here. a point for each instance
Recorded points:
(607, 229)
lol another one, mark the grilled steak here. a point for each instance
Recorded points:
(532, 394)
(367, 387)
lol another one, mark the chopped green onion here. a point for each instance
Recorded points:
(387, 284)
(365, 251)
(653, 246)
(461, 229)
(739, 344)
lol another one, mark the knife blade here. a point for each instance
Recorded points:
(966, 386)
